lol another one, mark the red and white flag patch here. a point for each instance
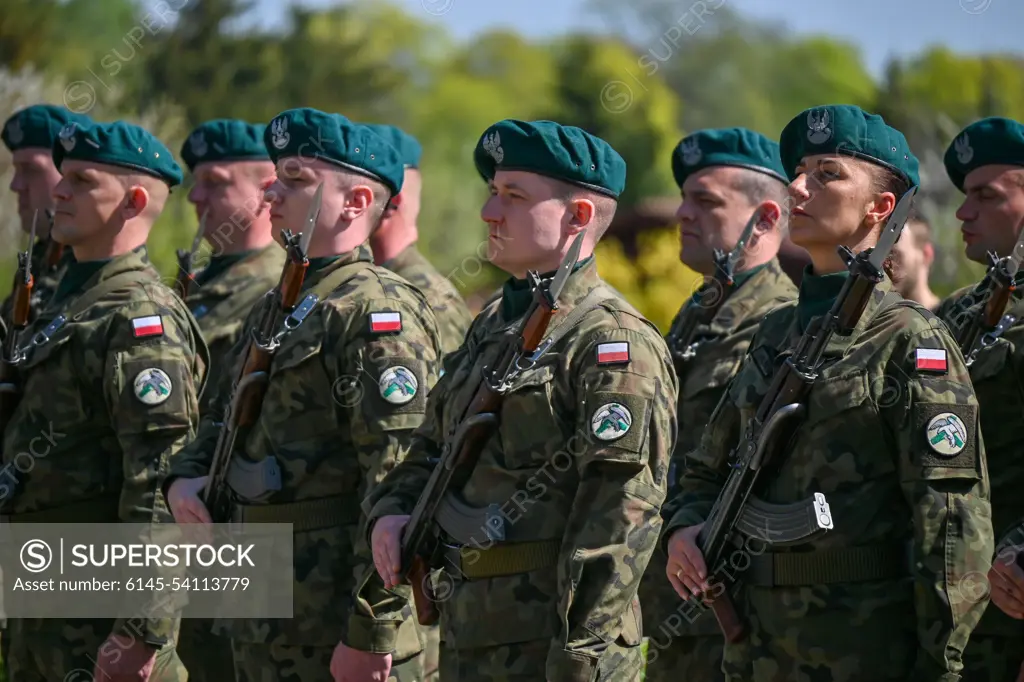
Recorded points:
(612, 353)
(385, 322)
(151, 325)
(930, 359)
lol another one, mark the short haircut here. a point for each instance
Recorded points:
(757, 187)
(921, 230)
(604, 205)
(347, 180)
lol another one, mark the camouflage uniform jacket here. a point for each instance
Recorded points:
(998, 377)
(558, 478)
(864, 444)
(721, 347)
(86, 404)
(325, 419)
(453, 317)
(45, 281)
(221, 305)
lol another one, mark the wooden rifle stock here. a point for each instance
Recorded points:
(460, 456)
(21, 308)
(250, 385)
(54, 253)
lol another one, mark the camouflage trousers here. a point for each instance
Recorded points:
(430, 638)
(525, 662)
(992, 658)
(284, 663)
(206, 656)
(65, 651)
(697, 658)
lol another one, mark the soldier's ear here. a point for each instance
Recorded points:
(582, 213)
(771, 213)
(136, 200)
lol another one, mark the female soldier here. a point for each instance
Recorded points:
(890, 438)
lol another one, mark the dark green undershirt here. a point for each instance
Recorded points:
(516, 294)
(738, 279)
(76, 275)
(817, 294)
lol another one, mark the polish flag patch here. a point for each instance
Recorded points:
(385, 322)
(930, 360)
(151, 325)
(612, 353)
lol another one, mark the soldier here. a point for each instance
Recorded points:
(394, 245)
(914, 254)
(30, 135)
(231, 170)
(557, 599)
(330, 418)
(87, 379)
(230, 167)
(725, 177)
(986, 162)
(846, 605)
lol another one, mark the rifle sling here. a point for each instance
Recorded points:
(501, 560)
(828, 566)
(589, 302)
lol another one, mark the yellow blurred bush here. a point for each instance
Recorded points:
(655, 282)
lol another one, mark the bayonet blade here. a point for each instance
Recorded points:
(737, 251)
(32, 233)
(565, 269)
(314, 213)
(1015, 257)
(892, 230)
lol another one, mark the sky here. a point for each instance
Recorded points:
(880, 28)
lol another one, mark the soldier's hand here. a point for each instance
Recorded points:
(1006, 581)
(386, 539)
(686, 570)
(183, 498)
(352, 665)
(124, 659)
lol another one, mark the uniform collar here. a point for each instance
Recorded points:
(516, 294)
(324, 265)
(82, 276)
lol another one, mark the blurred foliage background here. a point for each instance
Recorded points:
(172, 64)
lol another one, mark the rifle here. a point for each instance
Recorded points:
(10, 392)
(277, 310)
(186, 259)
(737, 511)
(459, 456)
(54, 249)
(988, 323)
(710, 297)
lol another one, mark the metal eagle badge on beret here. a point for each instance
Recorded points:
(279, 129)
(964, 151)
(947, 434)
(67, 136)
(611, 421)
(398, 385)
(691, 151)
(492, 145)
(818, 129)
(197, 141)
(152, 386)
(14, 131)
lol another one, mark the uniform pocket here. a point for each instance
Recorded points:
(530, 431)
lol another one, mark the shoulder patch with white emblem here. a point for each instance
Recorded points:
(151, 325)
(152, 386)
(611, 421)
(613, 353)
(398, 385)
(946, 434)
(385, 322)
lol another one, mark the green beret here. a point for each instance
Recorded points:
(988, 142)
(224, 139)
(727, 147)
(847, 130)
(407, 145)
(311, 134)
(552, 149)
(38, 126)
(117, 144)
